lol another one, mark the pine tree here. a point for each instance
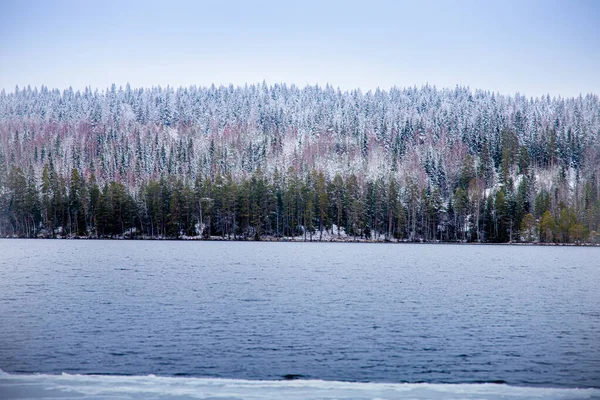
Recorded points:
(76, 210)
(322, 201)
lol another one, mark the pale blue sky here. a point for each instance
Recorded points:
(531, 47)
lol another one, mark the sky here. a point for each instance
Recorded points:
(529, 47)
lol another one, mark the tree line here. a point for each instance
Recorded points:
(288, 205)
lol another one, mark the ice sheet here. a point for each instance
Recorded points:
(67, 386)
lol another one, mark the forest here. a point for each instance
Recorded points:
(279, 162)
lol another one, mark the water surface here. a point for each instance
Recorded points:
(522, 315)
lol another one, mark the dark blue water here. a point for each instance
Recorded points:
(346, 312)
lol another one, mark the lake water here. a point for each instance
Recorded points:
(366, 317)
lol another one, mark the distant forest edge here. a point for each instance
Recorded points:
(312, 163)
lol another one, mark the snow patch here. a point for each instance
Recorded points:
(142, 387)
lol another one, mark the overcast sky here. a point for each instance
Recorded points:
(531, 47)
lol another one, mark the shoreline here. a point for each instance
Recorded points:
(302, 240)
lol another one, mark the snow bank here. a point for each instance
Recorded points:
(152, 387)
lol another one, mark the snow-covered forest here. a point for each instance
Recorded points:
(312, 163)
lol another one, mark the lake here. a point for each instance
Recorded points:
(366, 318)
